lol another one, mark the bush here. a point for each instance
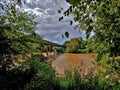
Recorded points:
(91, 81)
(15, 79)
(39, 57)
(41, 83)
(18, 77)
(44, 78)
(37, 75)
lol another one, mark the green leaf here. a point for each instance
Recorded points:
(67, 34)
(62, 36)
(88, 31)
(71, 22)
(61, 18)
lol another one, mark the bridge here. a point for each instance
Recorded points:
(49, 47)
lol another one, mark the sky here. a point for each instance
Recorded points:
(47, 18)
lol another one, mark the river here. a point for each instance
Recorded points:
(73, 60)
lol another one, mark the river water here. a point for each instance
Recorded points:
(73, 60)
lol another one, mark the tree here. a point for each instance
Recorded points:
(73, 45)
(101, 17)
(17, 34)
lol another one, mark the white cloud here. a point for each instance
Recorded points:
(28, 1)
(48, 19)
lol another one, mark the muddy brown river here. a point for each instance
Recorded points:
(73, 60)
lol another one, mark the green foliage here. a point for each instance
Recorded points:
(38, 57)
(115, 65)
(37, 75)
(16, 78)
(91, 81)
(73, 45)
(101, 17)
(66, 34)
(41, 83)
(59, 50)
(44, 78)
(37, 65)
(17, 31)
(17, 35)
(77, 45)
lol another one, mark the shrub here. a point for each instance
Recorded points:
(44, 78)
(15, 79)
(91, 81)
(39, 57)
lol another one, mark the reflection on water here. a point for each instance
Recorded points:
(73, 60)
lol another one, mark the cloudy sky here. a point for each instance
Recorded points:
(47, 17)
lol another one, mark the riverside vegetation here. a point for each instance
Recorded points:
(18, 37)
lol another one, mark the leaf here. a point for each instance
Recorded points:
(67, 34)
(1, 6)
(73, 2)
(90, 28)
(71, 22)
(62, 36)
(88, 31)
(87, 35)
(61, 18)
(59, 11)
